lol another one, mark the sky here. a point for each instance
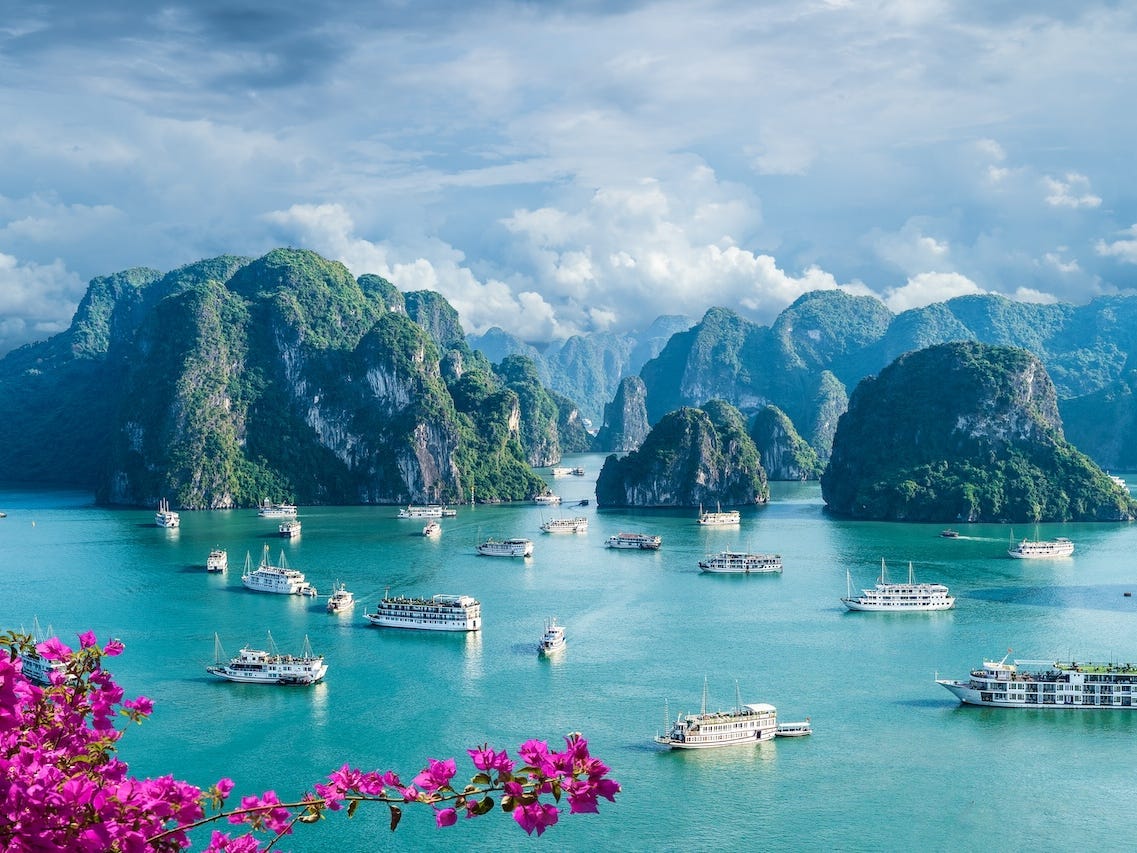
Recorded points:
(564, 168)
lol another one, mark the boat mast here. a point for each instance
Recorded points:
(848, 584)
(910, 577)
(704, 695)
(882, 575)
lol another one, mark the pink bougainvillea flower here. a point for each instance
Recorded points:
(445, 817)
(538, 816)
(436, 775)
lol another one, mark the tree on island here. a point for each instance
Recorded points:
(63, 787)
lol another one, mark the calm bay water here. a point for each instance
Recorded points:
(895, 762)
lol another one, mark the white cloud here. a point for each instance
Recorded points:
(927, 288)
(911, 249)
(1027, 294)
(36, 300)
(1071, 191)
(1124, 250)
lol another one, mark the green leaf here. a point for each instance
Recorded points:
(485, 806)
(396, 816)
(480, 779)
(351, 807)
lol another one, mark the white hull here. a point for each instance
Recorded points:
(217, 561)
(429, 511)
(293, 675)
(910, 597)
(257, 666)
(720, 519)
(635, 542)
(166, 517)
(869, 607)
(508, 548)
(737, 563)
(566, 525)
(279, 580)
(1046, 684)
(440, 613)
(268, 510)
(1036, 550)
(553, 640)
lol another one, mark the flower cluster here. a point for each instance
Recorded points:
(62, 786)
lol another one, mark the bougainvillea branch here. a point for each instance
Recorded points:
(63, 787)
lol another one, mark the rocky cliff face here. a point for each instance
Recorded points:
(625, 418)
(963, 431)
(691, 457)
(785, 454)
(229, 381)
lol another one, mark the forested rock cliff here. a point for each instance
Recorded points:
(964, 432)
(691, 457)
(230, 380)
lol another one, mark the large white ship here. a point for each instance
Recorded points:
(258, 666)
(635, 541)
(268, 509)
(898, 597)
(279, 579)
(1047, 684)
(427, 511)
(437, 613)
(742, 563)
(166, 517)
(742, 724)
(506, 548)
(566, 525)
(719, 518)
(1029, 549)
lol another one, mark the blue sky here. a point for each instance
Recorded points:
(554, 168)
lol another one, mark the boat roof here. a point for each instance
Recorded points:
(760, 707)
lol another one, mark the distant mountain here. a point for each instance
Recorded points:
(691, 457)
(231, 380)
(828, 340)
(585, 368)
(964, 432)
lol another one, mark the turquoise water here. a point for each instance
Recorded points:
(895, 762)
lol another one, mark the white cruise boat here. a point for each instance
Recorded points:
(437, 613)
(561, 472)
(1047, 684)
(635, 541)
(257, 666)
(290, 528)
(800, 728)
(547, 500)
(427, 511)
(719, 518)
(268, 509)
(166, 517)
(34, 667)
(432, 528)
(1029, 549)
(553, 640)
(279, 579)
(340, 599)
(906, 597)
(566, 525)
(742, 563)
(578, 472)
(506, 548)
(217, 561)
(741, 725)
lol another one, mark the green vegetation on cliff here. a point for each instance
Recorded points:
(963, 431)
(691, 457)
